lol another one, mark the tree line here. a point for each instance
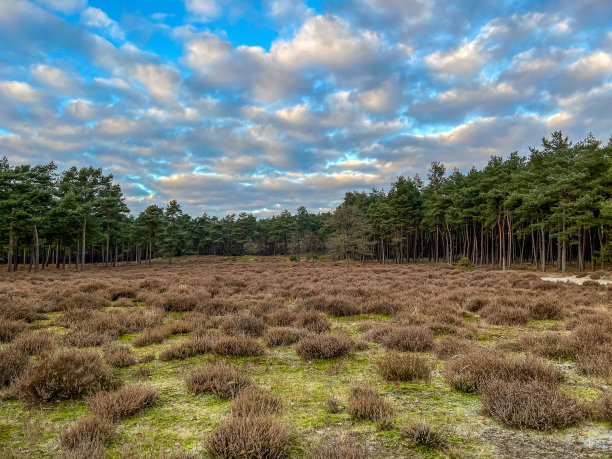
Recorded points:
(549, 209)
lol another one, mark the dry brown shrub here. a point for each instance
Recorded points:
(92, 286)
(312, 321)
(332, 405)
(253, 401)
(249, 437)
(550, 344)
(152, 284)
(87, 436)
(604, 407)
(152, 336)
(339, 306)
(81, 300)
(176, 300)
(122, 403)
(422, 434)
(412, 338)
(281, 317)
(9, 329)
(336, 448)
(220, 379)
(120, 291)
(546, 309)
(408, 367)
(119, 355)
(282, 336)
(36, 343)
(505, 314)
(136, 320)
(325, 346)
(473, 371)
(13, 364)
(365, 403)
(64, 375)
(201, 344)
(450, 346)
(530, 404)
(595, 361)
(237, 346)
(243, 323)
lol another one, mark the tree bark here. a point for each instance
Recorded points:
(36, 249)
(83, 246)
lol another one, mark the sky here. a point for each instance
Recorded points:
(259, 106)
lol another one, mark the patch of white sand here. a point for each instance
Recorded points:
(575, 279)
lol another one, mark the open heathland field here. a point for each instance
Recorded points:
(247, 357)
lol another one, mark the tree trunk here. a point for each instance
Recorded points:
(83, 246)
(543, 248)
(10, 250)
(36, 249)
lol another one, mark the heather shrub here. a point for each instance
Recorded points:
(237, 346)
(177, 300)
(243, 323)
(471, 372)
(152, 336)
(253, 401)
(249, 437)
(87, 436)
(200, 344)
(411, 338)
(120, 291)
(505, 314)
(324, 346)
(82, 301)
(365, 403)
(13, 364)
(530, 404)
(332, 405)
(122, 403)
(546, 309)
(408, 367)
(119, 355)
(312, 321)
(9, 329)
(282, 336)
(221, 379)
(595, 361)
(64, 375)
(450, 346)
(37, 343)
(553, 345)
(422, 434)
(281, 317)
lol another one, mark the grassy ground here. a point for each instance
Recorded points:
(180, 421)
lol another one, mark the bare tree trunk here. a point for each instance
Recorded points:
(83, 246)
(10, 250)
(36, 249)
(543, 248)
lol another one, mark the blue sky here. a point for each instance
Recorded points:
(259, 106)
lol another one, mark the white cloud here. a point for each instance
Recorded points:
(98, 19)
(328, 41)
(160, 80)
(592, 67)
(18, 90)
(81, 109)
(464, 60)
(203, 10)
(52, 76)
(384, 98)
(64, 6)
